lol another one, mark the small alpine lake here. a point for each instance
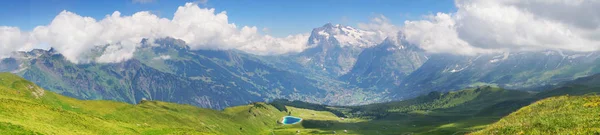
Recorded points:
(288, 120)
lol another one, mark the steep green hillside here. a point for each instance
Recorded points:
(464, 102)
(441, 113)
(570, 108)
(580, 86)
(556, 115)
(27, 109)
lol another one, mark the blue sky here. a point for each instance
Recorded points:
(281, 17)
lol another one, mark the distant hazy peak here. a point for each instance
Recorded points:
(398, 41)
(167, 42)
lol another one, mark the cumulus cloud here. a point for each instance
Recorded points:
(478, 26)
(438, 35)
(12, 39)
(481, 26)
(382, 26)
(116, 53)
(76, 36)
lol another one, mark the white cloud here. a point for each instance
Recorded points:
(478, 26)
(382, 26)
(76, 36)
(267, 45)
(12, 39)
(438, 35)
(481, 26)
(116, 53)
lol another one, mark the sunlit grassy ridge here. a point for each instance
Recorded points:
(571, 108)
(441, 113)
(556, 115)
(465, 102)
(27, 109)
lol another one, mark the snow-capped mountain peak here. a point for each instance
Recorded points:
(343, 35)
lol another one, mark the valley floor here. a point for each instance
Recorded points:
(327, 123)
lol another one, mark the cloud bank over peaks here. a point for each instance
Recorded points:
(483, 26)
(477, 26)
(76, 36)
(12, 39)
(382, 27)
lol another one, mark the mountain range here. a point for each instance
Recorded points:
(340, 67)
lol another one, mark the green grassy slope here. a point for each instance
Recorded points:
(470, 101)
(443, 113)
(556, 115)
(27, 109)
(571, 108)
(437, 113)
(580, 86)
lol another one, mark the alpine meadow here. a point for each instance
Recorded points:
(361, 67)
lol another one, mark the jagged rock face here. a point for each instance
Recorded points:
(129, 81)
(167, 71)
(386, 65)
(335, 49)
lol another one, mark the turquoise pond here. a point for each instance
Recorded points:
(291, 120)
